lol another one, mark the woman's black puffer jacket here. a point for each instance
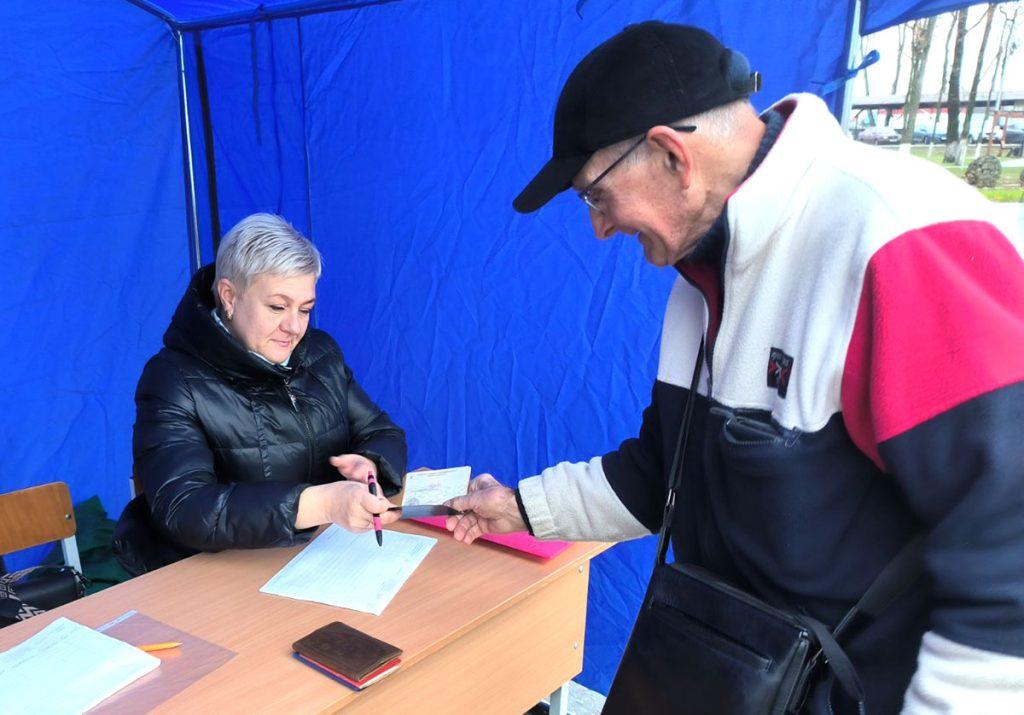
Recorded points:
(225, 442)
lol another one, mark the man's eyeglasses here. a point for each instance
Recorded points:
(594, 201)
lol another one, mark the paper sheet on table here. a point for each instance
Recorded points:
(435, 486)
(67, 668)
(349, 570)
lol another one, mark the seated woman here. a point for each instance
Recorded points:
(250, 429)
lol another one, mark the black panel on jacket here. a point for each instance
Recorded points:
(976, 540)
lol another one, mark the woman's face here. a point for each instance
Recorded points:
(271, 315)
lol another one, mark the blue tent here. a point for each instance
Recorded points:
(395, 134)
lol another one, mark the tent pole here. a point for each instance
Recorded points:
(305, 131)
(195, 255)
(305, 149)
(211, 158)
(851, 61)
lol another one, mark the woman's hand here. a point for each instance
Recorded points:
(354, 467)
(347, 504)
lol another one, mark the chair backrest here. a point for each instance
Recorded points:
(37, 515)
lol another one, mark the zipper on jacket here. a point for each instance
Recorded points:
(308, 429)
(709, 351)
(721, 318)
(726, 241)
(708, 347)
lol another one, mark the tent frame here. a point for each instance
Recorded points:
(297, 10)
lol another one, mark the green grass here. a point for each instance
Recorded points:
(1004, 195)
(1007, 189)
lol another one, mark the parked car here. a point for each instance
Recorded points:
(879, 135)
(1014, 138)
(923, 135)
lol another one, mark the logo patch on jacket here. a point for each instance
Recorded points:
(780, 365)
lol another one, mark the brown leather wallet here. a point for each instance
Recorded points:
(346, 650)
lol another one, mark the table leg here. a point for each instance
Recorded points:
(560, 701)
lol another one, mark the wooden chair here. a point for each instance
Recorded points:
(37, 515)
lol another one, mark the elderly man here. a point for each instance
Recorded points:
(863, 380)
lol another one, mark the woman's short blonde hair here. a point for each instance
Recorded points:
(264, 243)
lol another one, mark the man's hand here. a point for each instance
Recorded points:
(490, 509)
(354, 467)
(347, 504)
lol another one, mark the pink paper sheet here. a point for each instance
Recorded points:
(520, 540)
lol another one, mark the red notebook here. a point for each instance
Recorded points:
(355, 685)
(346, 654)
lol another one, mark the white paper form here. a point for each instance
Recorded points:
(349, 570)
(435, 486)
(67, 668)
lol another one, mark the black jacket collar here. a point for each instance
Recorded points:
(194, 331)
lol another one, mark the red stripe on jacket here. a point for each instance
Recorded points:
(940, 321)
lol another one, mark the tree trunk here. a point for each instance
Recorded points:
(952, 154)
(899, 62)
(990, 13)
(991, 90)
(922, 42)
(1007, 47)
(942, 87)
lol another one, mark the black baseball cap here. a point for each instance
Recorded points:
(649, 74)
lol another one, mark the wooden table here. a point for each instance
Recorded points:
(483, 630)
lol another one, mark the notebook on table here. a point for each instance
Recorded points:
(350, 656)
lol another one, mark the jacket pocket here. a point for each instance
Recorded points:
(779, 495)
(750, 428)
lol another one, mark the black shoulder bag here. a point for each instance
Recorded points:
(700, 645)
(35, 590)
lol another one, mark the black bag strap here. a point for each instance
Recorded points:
(676, 475)
(838, 662)
(897, 576)
(13, 610)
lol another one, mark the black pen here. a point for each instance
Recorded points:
(371, 482)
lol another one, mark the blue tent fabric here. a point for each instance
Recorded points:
(260, 150)
(92, 228)
(205, 14)
(877, 15)
(503, 341)
(395, 134)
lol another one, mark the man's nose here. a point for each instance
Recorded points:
(603, 228)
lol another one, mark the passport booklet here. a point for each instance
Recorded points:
(351, 657)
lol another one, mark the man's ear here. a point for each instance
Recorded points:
(675, 152)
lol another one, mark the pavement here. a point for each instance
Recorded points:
(582, 701)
